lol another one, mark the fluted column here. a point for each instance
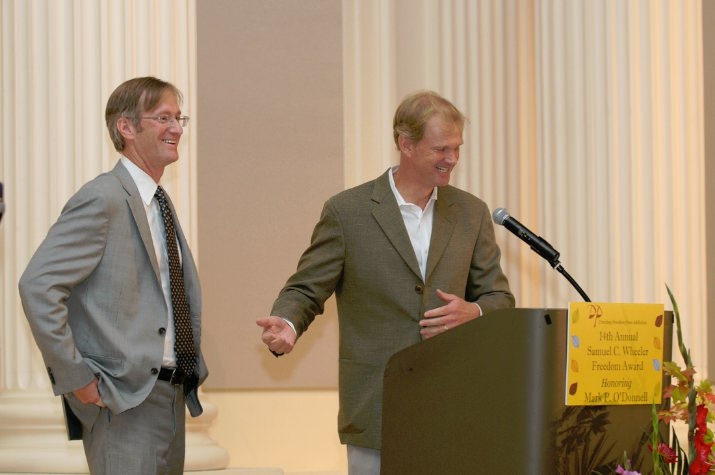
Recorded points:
(369, 80)
(60, 61)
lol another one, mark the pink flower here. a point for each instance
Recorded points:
(622, 471)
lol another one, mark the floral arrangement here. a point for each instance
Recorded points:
(691, 403)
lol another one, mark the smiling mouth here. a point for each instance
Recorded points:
(443, 169)
(170, 142)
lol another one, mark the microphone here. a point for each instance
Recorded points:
(536, 243)
(2, 205)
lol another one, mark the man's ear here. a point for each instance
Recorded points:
(125, 126)
(406, 145)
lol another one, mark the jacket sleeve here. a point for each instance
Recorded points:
(487, 285)
(72, 248)
(318, 275)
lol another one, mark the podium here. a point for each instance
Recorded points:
(488, 397)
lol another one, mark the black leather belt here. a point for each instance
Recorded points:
(174, 376)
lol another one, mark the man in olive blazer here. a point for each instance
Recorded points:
(387, 299)
(93, 297)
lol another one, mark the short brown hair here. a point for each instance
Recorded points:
(131, 99)
(416, 109)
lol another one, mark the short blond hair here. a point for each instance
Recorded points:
(416, 109)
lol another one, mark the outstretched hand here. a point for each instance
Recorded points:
(277, 334)
(455, 312)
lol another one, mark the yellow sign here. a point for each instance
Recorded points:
(614, 354)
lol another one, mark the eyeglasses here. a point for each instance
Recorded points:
(182, 120)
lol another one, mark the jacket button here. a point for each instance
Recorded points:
(419, 289)
(162, 330)
(154, 371)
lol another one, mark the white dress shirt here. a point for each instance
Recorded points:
(418, 222)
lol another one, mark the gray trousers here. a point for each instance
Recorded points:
(148, 439)
(363, 461)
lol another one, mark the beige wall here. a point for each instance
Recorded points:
(271, 148)
(270, 153)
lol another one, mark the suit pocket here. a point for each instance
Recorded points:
(86, 414)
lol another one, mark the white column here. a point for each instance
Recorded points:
(60, 61)
(369, 81)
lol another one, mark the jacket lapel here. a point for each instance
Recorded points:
(138, 213)
(388, 216)
(442, 228)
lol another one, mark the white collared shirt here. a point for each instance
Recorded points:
(418, 222)
(147, 187)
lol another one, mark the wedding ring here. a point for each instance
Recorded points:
(446, 328)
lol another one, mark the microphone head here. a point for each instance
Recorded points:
(500, 215)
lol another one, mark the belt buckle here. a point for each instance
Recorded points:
(177, 377)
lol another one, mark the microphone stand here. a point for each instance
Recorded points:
(557, 265)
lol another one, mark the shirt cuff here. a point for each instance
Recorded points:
(290, 324)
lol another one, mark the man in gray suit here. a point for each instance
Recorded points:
(98, 298)
(408, 257)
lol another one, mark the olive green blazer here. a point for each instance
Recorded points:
(360, 250)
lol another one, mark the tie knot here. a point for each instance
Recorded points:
(159, 194)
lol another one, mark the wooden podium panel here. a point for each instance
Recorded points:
(488, 397)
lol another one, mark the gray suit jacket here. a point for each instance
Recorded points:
(92, 295)
(360, 250)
